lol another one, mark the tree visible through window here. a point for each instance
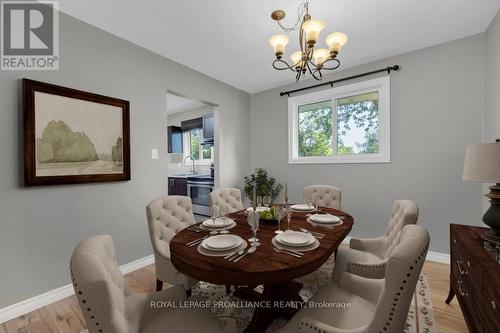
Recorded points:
(352, 129)
(196, 148)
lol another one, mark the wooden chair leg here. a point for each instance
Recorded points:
(228, 289)
(451, 294)
(159, 285)
(189, 292)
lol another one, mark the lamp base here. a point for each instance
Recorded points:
(491, 237)
(492, 215)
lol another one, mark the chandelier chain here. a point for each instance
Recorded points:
(303, 7)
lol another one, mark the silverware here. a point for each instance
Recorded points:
(320, 225)
(234, 254)
(196, 241)
(315, 234)
(249, 251)
(286, 252)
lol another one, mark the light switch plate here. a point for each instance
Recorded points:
(154, 154)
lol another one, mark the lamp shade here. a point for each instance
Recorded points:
(482, 163)
(279, 42)
(296, 57)
(336, 40)
(312, 28)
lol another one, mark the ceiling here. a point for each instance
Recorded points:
(176, 104)
(227, 39)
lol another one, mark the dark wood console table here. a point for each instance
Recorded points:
(474, 279)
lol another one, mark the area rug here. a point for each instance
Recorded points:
(420, 316)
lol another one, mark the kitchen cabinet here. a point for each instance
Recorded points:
(208, 129)
(174, 134)
(177, 186)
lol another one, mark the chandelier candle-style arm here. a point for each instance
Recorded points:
(308, 58)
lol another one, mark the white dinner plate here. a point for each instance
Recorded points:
(309, 247)
(302, 208)
(295, 238)
(222, 242)
(259, 209)
(324, 218)
(219, 223)
(212, 253)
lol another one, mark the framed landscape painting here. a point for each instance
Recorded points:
(72, 136)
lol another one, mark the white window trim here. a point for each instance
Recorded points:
(381, 85)
(187, 147)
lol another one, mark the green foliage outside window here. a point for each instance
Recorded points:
(357, 123)
(197, 150)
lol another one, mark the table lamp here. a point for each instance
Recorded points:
(482, 164)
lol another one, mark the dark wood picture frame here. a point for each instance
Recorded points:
(30, 177)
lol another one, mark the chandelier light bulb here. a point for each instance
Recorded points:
(296, 58)
(336, 40)
(279, 42)
(312, 28)
(320, 56)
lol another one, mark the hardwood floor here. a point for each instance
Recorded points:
(65, 317)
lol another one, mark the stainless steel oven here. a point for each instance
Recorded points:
(198, 188)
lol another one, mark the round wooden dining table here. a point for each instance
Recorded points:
(275, 271)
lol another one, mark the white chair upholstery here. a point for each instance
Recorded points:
(166, 216)
(376, 305)
(227, 198)
(368, 257)
(109, 306)
(327, 196)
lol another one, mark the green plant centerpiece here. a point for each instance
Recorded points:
(264, 185)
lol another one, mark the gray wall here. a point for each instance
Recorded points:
(492, 74)
(436, 109)
(39, 227)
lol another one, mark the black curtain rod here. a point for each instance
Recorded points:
(387, 69)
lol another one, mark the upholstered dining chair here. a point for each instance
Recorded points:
(166, 216)
(365, 305)
(327, 196)
(368, 257)
(109, 306)
(227, 198)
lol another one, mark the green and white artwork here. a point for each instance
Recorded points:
(77, 137)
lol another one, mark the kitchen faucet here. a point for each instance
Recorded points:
(193, 169)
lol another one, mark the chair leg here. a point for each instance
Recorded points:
(228, 289)
(159, 285)
(189, 292)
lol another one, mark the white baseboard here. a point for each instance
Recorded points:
(34, 303)
(439, 257)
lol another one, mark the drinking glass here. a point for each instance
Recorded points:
(215, 215)
(315, 199)
(259, 200)
(266, 200)
(253, 221)
(278, 212)
(223, 212)
(289, 217)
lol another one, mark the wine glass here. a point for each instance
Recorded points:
(278, 212)
(223, 212)
(253, 221)
(289, 217)
(266, 200)
(259, 200)
(215, 215)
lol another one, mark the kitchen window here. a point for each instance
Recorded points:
(193, 145)
(347, 124)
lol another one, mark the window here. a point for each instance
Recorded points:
(193, 145)
(348, 124)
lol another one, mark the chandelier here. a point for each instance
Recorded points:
(309, 58)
